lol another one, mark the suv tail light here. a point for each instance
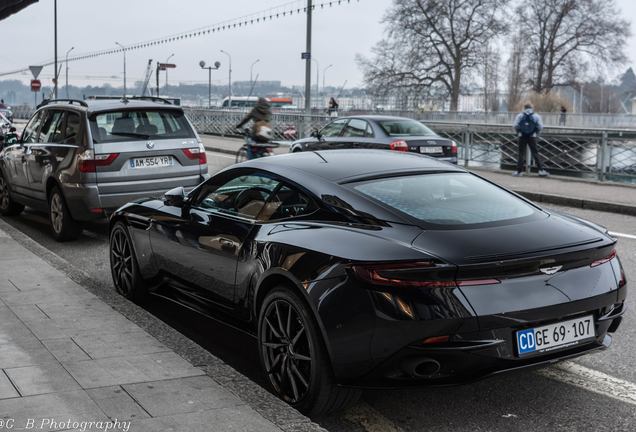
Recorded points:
(196, 153)
(399, 145)
(89, 161)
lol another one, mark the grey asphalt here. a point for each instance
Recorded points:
(521, 401)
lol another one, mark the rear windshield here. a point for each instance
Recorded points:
(446, 198)
(404, 127)
(116, 126)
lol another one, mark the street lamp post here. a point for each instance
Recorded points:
(324, 73)
(123, 49)
(55, 73)
(229, 83)
(167, 60)
(251, 72)
(66, 61)
(210, 68)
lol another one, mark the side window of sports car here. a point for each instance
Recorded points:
(286, 203)
(243, 195)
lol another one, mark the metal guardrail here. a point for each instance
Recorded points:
(604, 154)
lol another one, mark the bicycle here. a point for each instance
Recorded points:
(253, 150)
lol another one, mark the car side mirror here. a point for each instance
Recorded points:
(316, 134)
(175, 197)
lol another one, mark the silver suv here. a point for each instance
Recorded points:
(79, 160)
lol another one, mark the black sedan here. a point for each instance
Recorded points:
(379, 132)
(398, 271)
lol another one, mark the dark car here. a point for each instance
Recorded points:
(379, 132)
(7, 113)
(80, 160)
(399, 271)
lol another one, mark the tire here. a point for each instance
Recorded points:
(294, 357)
(241, 155)
(63, 227)
(8, 207)
(124, 268)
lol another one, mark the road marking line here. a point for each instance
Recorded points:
(370, 419)
(617, 234)
(592, 380)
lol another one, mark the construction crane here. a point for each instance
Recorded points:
(144, 88)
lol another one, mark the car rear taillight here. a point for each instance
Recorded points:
(608, 258)
(427, 274)
(453, 148)
(89, 161)
(196, 153)
(399, 145)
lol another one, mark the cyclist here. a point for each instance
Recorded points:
(261, 116)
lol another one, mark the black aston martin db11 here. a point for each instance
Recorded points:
(358, 268)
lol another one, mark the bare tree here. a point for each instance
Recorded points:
(563, 35)
(516, 76)
(433, 43)
(491, 64)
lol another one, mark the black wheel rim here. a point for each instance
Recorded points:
(287, 351)
(121, 262)
(4, 194)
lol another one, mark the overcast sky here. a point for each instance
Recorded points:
(340, 32)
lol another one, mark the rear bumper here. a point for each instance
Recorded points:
(89, 202)
(475, 355)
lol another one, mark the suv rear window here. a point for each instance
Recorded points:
(452, 199)
(132, 125)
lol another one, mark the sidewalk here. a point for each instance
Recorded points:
(67, 359)
(567, 191)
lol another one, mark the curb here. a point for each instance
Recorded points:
(579, 203)
(266, 404)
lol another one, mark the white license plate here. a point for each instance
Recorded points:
(430, 150)
(552, 336)
(151, 162)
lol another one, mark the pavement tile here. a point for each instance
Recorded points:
(24, 352)
(14, 331)
(184, 395)
(43, 296)
(75, 405)
(41, 379)
(121, 344)
(117, 403)
(127, 370)
(78, 326)
(65, 350)
(242, 419)
(6, 388)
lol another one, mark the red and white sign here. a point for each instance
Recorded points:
(36, 85)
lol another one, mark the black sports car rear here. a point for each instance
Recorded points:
(362, 268)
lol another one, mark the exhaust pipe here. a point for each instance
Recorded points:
(421, 367)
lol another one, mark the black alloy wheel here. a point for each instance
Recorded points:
(123, 266)
(8, 207)
(63, 227)
(293, 356)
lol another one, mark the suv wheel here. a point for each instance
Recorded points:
(63, 226)
(8, 207)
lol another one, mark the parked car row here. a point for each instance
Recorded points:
(352, 267)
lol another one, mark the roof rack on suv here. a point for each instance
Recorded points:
(69, 101)
(151, 98)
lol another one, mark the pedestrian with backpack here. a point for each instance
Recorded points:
(528, 126)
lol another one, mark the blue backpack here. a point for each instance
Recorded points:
(528, 125)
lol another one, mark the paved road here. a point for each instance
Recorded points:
(597, 392)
